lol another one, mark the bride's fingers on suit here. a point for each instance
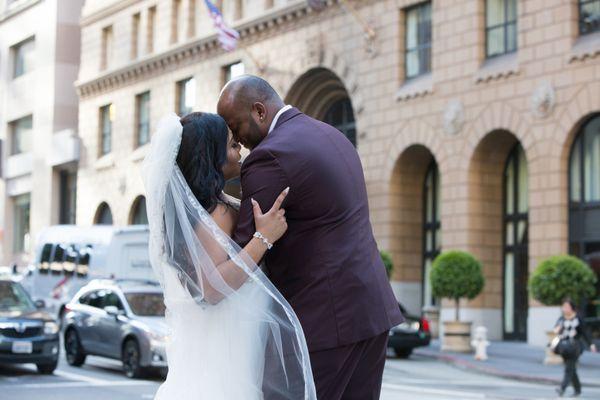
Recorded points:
(279, 200)
(256, 209)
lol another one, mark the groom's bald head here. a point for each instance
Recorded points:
(248, 104)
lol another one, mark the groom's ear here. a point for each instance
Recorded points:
(260, 112)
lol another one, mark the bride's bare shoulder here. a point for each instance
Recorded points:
(226, 217)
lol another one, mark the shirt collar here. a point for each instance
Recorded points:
(281, 111)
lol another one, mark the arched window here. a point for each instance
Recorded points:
(584, 197)
(341, 116)
(138, 214)
(103, 215)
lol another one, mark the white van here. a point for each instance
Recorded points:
(69, 256)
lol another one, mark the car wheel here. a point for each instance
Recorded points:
(403, 353)
(73, 349)
(131, 359)
(47, 369)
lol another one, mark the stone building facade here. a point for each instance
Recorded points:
(39, 62)
(477, 121)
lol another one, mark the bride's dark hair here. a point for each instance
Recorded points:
(201, 156)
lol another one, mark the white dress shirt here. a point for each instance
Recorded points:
(281, 111)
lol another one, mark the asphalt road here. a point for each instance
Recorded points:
(417, 378)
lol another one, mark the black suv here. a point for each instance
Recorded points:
(27, 335)
(413, 332)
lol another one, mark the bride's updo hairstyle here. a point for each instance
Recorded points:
(201, 156)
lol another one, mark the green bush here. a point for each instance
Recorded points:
(387, 262)
(456, 275)
(559, 277)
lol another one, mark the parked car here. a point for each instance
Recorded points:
(27, 334)
(119, 319)
(413, 332)
(68, 257)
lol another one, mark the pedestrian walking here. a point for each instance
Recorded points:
(574, 338)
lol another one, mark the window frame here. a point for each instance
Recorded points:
(420, 47)
(105, 137)
(21, 201)
(140, 126)
(13, 125)
(504, 25)
(15, 50)
(580, 24)
(180, 88)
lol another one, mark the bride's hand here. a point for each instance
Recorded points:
(272, 225)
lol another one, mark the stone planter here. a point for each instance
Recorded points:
(551, 358)
(432, 313)
(457, 337)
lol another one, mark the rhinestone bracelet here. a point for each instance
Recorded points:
(260, 236)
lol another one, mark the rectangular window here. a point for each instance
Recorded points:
(107, 48)
(68, 190)
(142, 106)
(151, 30)
(186, 96)
(239, 9)
(589, 16)
(135, 36)
(23, 56)
(269, 4)
(418, 40)
(107, 115)
(177, 25)
(233, 71)
(21, 132)
(500, 27)
(21, 223)
(191, 32)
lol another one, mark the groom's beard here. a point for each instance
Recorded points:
(254, 136)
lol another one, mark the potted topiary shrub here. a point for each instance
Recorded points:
(557, 278)
(456, 275)
(387, 262)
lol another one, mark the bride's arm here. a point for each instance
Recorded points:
(227, 275)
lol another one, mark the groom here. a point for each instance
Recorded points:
(327, 264)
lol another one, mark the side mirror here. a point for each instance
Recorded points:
(112, 310)
(39, 304)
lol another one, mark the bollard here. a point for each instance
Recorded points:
(480, 343)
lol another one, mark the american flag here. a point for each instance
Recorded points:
(227, 36)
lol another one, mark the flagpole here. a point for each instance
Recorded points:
(366, 27)
(259, 65)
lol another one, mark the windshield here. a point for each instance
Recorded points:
(14, 298)
(146, 304)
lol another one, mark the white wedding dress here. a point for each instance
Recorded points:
(249, 345)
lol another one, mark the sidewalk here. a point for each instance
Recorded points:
(519, 361)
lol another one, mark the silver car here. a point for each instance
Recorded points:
(119, 319)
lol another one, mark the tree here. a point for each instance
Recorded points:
(456, 275)
(387, 262)
(560, 277)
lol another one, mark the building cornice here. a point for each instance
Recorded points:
(197, 49)
(17, 9)
(106, 12)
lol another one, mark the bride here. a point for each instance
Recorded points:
(233, 336)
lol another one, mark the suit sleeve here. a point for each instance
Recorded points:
(263, 179)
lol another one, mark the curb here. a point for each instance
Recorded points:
(479, 368)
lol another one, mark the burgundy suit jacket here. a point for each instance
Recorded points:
(327, 264)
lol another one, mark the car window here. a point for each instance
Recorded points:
(96, 298)
(84, 299)
(14, 298)
(146, 304)
(112, 299)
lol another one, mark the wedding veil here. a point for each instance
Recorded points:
(249, 330)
